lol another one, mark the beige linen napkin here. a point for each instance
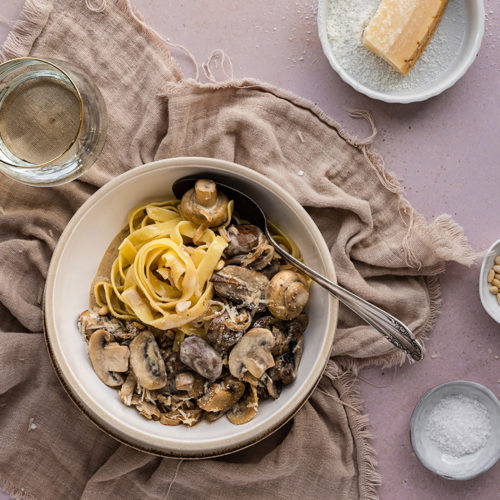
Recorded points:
(382, 250)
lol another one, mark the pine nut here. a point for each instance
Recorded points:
(497, 260)
(498, 298)
(496, 282)
(491, 275)
(103, 311)
(494, 290)
(497, 268)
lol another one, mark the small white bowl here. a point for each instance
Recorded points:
(489, 301)
(465, 37)
(75, 262)
(468, 466)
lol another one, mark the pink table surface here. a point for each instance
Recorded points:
(446, 152)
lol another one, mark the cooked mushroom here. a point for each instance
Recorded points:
(187, 416)
(252, 353)
(293, 338)
(270, 270)
(222, 396)
(224, 331)
(127, 389)
(242, 286)
(201, 357)
(171, 418)
(287, 364)
(173, 364)
(272, 387)
(278, 329)
(90, 321)
(146, 361)
(146, 409)
(243, 238)
(287, 295)
(108, 358)
(246, 408)
(212, 416)
(204, 205)
(189, 382)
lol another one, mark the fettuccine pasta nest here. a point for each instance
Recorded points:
(162, 271)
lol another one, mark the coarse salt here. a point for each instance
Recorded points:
(459, 425)
(346, 22)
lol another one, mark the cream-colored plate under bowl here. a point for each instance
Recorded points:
(74, 265)
(459, 33)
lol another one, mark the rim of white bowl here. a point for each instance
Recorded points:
(169, 447)
(442, 85)
(421, 404)
(484, 292)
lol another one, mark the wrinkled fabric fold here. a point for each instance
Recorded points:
(382, 250)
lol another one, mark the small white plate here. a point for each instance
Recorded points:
(468, 466)
(460, 32)
(489, 301)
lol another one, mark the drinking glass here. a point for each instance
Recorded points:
(52, 121)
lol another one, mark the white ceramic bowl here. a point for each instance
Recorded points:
(74, 265)
(467, 466)
(489, 301)
(462, 38)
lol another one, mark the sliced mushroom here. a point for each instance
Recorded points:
(271, 269)
(224, 331)
(186, 416)
(212, 416)
(272, 387)
(108, 358)
(146, 409)
(173, 364)
(171, 418)
(129, 332)
(222, 396)
(146, 361)
(201, 357)
(204, 205)
(243, 238)
(90, 321)
(287, 364)
(127, 389)
(246, 408)
(258, 259)
(278, 329)
(287, 295)
(189, 382)
(252, 353)
(242, 286)
(293, 338)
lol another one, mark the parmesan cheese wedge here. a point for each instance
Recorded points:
(401, 29)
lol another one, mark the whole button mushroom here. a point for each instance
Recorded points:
(203, 204)
(252, 353)
(201, 357)
(146, 361)
(287, 295)
(108, 358)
